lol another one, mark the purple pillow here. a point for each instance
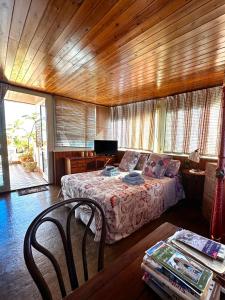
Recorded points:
(156, 165)
(173, 168)
(141, 162)
(129, 160)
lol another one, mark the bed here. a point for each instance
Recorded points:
(127, 207)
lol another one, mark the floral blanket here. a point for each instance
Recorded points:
(126, 207)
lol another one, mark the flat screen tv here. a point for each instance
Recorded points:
(105, 147)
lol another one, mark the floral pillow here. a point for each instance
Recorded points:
(173, 168)
(156, 165)
(129, 160)
(141, 162)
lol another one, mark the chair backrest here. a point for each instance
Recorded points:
(31, 242)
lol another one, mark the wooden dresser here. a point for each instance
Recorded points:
(85, 164)
(209, 189)
(68, 162)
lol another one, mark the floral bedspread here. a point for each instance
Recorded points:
(126, 207)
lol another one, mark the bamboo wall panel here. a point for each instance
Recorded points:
(115, 51)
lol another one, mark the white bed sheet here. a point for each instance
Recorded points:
(126, 207)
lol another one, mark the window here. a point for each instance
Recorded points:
(134, 125)
(103, 123)
(193, 122)
(75, 123)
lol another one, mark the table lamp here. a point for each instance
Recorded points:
(195, 157)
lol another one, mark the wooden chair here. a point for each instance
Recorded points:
(31, 242)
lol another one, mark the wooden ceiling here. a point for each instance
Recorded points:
(23, 98)
(112, 51)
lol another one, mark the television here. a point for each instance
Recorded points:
(105, 147)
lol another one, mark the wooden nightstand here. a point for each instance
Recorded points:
(209, 189)
(193, 186)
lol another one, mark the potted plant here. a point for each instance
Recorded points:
(23, 141)
(30, 166)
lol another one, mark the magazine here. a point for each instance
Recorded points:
(166, 293)
(154, 248)
(208, 247)
(168, 275)
(192, 272)
(159, 287)
(213, 264)
(168, 286)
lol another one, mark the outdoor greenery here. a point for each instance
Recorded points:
(21, 138)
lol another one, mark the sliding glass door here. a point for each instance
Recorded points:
(4, 165)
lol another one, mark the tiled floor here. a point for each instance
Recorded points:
(20, 179)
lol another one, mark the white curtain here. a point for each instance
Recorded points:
(103, 123)
(193, 121)
(134, 125)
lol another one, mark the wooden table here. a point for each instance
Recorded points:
(122, 279)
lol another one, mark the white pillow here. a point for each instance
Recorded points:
(129, 160)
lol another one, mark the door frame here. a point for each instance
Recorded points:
(49, 106)
(42, 150)
(4, 150)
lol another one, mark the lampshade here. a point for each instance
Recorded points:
(194, 156)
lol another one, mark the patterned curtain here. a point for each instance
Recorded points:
(193, 121)
(3, 90)
(217, 228)
(134, 125)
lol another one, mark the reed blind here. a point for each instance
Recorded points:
(75, 123)
(193, 121)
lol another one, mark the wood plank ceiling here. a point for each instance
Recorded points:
(112, 51)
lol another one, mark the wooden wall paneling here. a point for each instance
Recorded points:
(41, 58)
(16, 29)
(120, 22)
(78, 49)
(191, 82)
(138, 41)
(50, 14)
(112, 52)
(33, 18)
(65, 40)
(91, 21)
(48, 18)
(6, 10)
(116, 23)
(176, 25)
(128, 80)
(179, 34)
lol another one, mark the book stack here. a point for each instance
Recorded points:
(186, 266)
